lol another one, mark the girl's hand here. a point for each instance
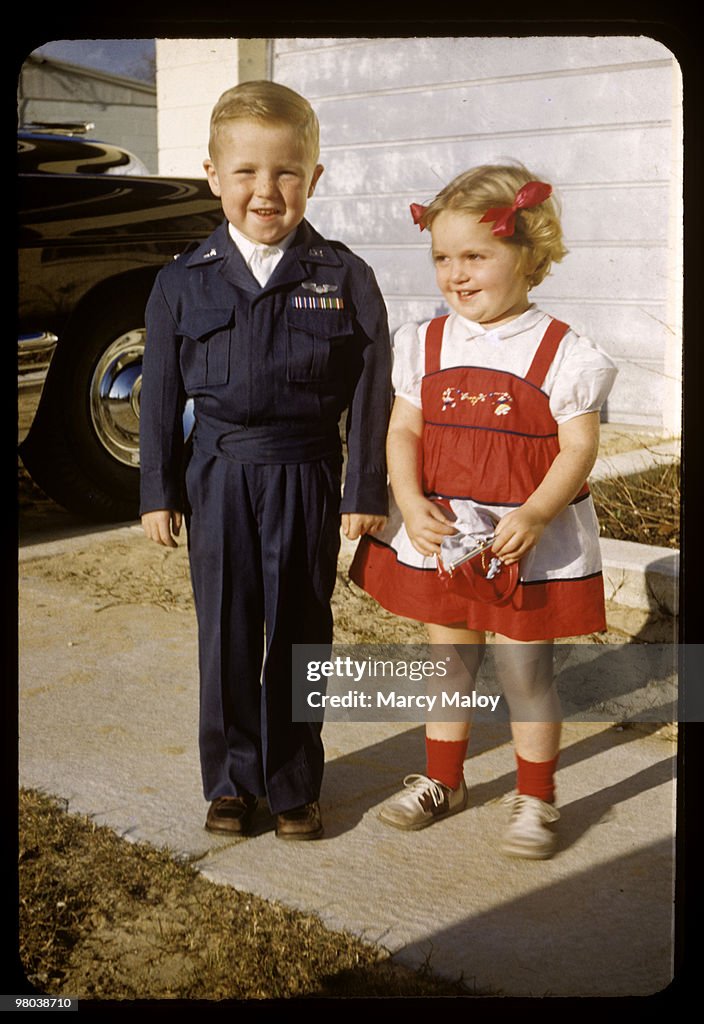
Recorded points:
(354, 524)
(426, 525)
(162, 526)
(521, 529)
(516, 533)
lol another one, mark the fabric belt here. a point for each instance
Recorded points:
(269, 442)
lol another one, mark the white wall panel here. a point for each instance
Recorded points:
(592, 156)
(630, 214)
(328, 67)
(599, 117)
(613, 98)
(596, 116)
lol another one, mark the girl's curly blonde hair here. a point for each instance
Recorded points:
(538, 232)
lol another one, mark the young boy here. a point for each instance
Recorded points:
(273, 332)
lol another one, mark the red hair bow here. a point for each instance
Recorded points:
(531, 194)
(417, 212)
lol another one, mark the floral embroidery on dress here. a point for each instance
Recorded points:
(502, 400)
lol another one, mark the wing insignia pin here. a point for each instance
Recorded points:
(319, 289)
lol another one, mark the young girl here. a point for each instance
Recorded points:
(496, 420)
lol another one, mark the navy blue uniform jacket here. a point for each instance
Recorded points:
(288, 358)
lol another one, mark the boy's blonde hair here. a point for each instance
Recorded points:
(538, 231)
(267, 102)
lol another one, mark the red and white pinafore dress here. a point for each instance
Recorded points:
(489, 439)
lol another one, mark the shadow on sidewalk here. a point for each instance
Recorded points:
(356, 783)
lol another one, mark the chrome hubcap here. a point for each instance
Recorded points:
(115, 392)
(114, 397)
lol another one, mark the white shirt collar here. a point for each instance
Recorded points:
(524, 322)
(248, 248)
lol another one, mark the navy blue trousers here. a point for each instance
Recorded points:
(263, 546)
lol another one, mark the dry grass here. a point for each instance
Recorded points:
(644, 508)
(102, 918)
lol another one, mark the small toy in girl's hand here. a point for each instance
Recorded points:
(494, 568)
(474, 535)
(474, 532)
(466, 567)
(459, 548)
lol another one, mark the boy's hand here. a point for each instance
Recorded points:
(162, 526)
(516, 533)
(426, 525)
(354, 524)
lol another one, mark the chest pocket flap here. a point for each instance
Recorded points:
(202, 323)
(310, 333)
(205, 353)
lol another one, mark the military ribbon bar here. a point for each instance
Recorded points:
(316, 302)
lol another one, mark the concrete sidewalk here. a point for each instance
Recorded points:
(108, 722)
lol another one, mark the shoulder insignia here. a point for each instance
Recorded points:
(191, 247)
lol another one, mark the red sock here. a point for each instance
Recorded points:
(445, 760)
(537, 778)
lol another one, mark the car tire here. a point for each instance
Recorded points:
(83, 448)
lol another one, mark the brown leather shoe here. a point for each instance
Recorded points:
(231, 815)
(300, 823)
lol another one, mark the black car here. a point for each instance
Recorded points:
(94, 230)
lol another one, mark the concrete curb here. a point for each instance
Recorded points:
(641, 576)
(637, 461)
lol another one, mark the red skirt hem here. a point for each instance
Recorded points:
(538, 611)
